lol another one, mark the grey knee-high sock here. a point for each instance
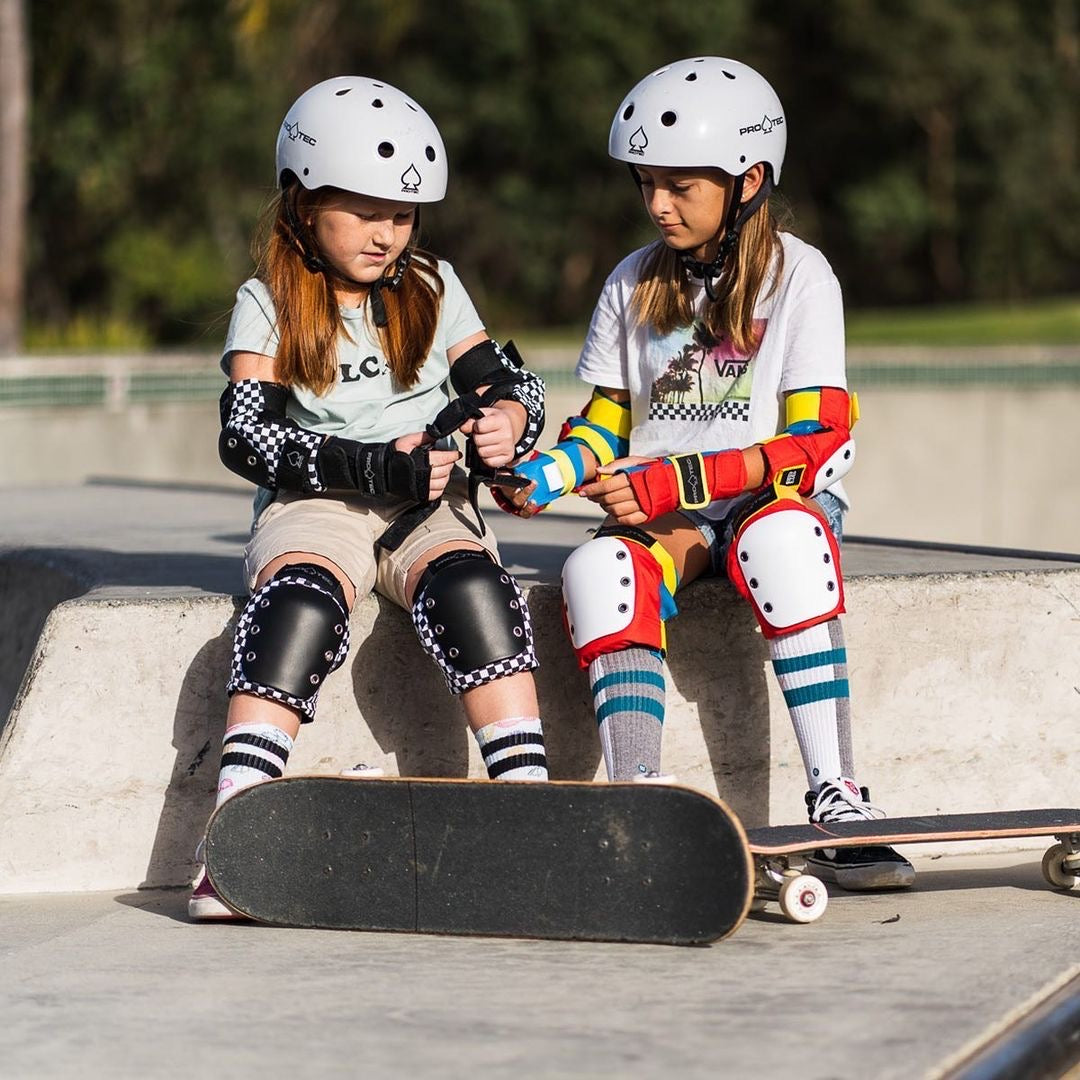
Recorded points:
(628, 694)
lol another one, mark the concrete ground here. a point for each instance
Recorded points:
(890, 985)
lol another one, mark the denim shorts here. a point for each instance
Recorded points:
(719, 534)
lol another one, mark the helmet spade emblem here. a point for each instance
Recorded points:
(638, 141)
(411, 180)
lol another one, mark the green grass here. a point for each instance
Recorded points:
(1042, 322)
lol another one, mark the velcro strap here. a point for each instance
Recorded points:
(690, 477)
(451, 417)
(484, 364)
(786, 459)
(409, 474)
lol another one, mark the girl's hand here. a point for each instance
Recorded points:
(493, 435)
(441, 461)
(611, 491)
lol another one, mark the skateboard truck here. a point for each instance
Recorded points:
(1061, 862)
(802, 897)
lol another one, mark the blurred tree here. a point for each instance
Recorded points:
(14, 101)
(932, 143)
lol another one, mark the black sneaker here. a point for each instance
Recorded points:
(857, 868)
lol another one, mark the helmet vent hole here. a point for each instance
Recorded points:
(386, 149)
(306, 171)
(342, 93)
(628, 111)
(668, 119)
(377, 103)
(413, 107)
(429, 153)
(728, 75)
(742, 159)
(692, 77)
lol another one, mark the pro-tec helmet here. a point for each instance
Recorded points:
(365, 137)
(702, 112)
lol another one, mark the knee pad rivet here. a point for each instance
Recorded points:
(250, 656)
(624, 582)
(518, 631)
(314, 680)
(831, 586)
(620, 554)
(504, 579)
(452, 652)
(744, 556)
(828, 558)
(429, 603)
(767, 606)
(231, 443)
(624, 608)
(255, 628)
(328, 656)
(753, 583)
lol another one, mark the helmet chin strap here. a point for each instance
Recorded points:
(739, 213)
(318, 265)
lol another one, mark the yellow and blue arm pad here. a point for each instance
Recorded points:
(803, 411)
(603, 427)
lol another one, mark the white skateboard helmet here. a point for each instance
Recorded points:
(702, 112)
(363, 136)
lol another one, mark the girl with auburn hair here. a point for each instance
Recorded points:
(353, 355)
(716, 438)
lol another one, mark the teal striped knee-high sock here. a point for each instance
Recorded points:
(811, 666)
(628, 694)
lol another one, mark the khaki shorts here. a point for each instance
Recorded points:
(344, 529)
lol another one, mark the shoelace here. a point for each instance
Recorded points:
(832, 806)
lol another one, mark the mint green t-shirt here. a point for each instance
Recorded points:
(365, 403)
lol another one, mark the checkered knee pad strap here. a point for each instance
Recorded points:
(291, 634)
(472, 619)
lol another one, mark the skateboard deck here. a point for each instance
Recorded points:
(803, 897)
(582, 861)
(938, 828)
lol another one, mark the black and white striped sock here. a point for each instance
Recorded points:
(513, 749)
(250, 754)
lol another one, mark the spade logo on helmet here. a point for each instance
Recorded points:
(638, 141)
(294, 133)
(411, 180)
(765, 126)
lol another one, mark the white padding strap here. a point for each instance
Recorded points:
(789, 567)
(598, 588)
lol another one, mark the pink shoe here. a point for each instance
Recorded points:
(204, 903)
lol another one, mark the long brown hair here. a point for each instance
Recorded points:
(663, 298)
(309, 321)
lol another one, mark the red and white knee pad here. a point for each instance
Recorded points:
(618, 589)
(785, 560)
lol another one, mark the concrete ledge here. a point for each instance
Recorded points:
(964, 688)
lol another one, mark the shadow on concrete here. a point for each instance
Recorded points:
(31, 584)
(716, 631)
(198, 726)
(389, 684)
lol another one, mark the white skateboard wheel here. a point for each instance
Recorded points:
(1055, 870)
(803, 898)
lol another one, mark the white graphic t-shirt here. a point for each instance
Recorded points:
(365, 403)
(689, 392)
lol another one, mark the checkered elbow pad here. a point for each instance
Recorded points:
(459, 681)
(242, 639)
(267, 436)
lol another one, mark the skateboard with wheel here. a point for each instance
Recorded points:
(777, 850)
(582, 861)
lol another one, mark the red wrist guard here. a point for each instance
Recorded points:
(688, 481)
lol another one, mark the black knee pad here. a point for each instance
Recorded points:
(291, 634)
(472, 618)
